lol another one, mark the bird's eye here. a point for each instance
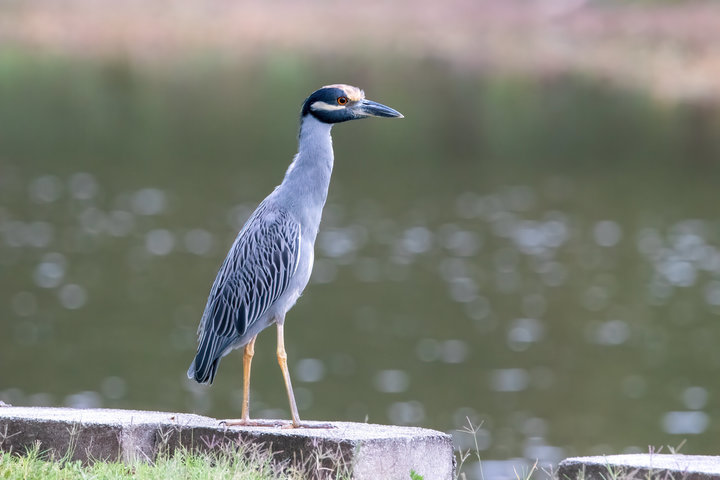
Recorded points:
(342, 100)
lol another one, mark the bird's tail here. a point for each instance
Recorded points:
(205, 365)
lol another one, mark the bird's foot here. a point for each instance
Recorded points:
(309, 425)
(245, 422)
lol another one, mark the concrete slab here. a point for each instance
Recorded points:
(640, 466)
(364, 451)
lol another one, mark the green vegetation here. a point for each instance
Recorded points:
(238, 463)
(247, 461)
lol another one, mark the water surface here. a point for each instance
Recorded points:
(539, 257)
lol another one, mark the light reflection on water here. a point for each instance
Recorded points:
(543, 317)
(527, 257)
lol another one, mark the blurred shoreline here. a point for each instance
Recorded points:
(671, 50)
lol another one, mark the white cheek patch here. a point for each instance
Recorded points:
(325, 106)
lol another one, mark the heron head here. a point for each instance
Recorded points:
(340, 103)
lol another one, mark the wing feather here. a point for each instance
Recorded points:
(256, 272)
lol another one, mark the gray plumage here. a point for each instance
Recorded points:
(270, 262)
(258, 270)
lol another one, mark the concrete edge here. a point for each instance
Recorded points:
(361, 451)
(640, 466)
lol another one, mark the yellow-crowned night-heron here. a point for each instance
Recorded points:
(269, 263)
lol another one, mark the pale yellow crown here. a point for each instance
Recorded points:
(354, 94)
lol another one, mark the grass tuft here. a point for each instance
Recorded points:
(234, 461)
(415, 476)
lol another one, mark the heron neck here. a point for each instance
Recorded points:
(311, 168)
(308, 176)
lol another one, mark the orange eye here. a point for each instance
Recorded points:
(342, 100)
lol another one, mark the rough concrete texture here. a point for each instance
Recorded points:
(641, 466)
(365, 451)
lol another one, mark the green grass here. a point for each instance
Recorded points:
(238, 463)
(233, 462)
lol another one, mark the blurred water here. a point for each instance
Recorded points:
(541, 259)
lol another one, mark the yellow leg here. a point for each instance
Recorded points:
(247, 362)
(282, 360)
